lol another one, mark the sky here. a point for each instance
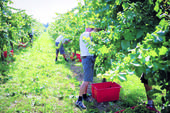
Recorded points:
(44, 10)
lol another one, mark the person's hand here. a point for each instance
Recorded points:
(66, 42)
(69, 40)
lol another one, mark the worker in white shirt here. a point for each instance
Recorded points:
(60, 48)
(88, 61)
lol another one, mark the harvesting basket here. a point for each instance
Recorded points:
(22, 44)
(5, 53)
(106, 91)
(77, 57)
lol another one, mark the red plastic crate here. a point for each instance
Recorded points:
(22, 44)
(77, 57)
(106, 91)
(5, 53)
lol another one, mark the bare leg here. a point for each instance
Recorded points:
(83, 88)
(150, 101)
(57, 51)
(148, 88)
(85, 92)
(64, 56)
(56, 55)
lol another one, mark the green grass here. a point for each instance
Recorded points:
(40, 85)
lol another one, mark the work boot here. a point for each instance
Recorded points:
(87, 99)
(80, 105)
(56, 59)
(66, 60)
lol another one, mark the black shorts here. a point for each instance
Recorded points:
(143, 80)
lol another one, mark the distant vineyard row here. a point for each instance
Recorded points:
(15, 27)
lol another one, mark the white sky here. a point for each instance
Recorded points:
(44, 10)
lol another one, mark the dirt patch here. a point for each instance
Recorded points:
(78, 73)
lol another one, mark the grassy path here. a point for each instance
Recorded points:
(38, 84)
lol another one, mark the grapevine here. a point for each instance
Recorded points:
(134, 37)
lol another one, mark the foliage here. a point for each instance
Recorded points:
(138, 109)
(70, 25)
(15, 25)
(134, 37)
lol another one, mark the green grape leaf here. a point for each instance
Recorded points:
(118, 2)
(139, 70)
(161, 33)
(125, 5)
(125, 44)
(157, 39)
(156, 7)
(163, 50)
(122, 78)
(129, 35)
(153, 91)
(139, 33)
